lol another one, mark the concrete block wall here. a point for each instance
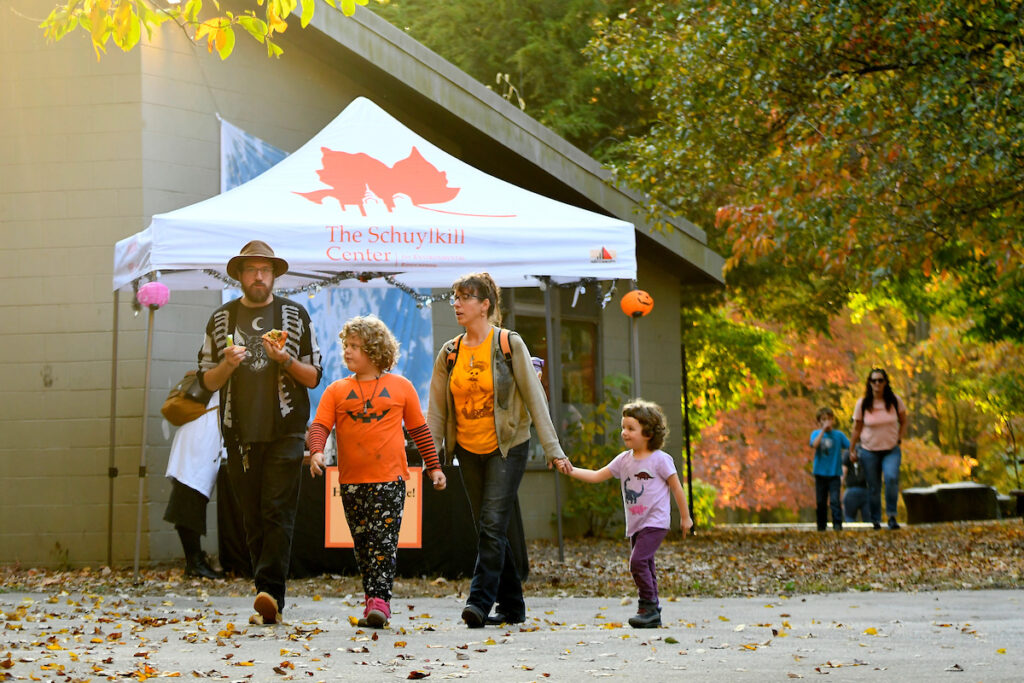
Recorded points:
(69, 187)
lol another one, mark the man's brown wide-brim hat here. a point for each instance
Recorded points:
(256, 249)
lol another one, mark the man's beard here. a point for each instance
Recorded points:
(258, 295)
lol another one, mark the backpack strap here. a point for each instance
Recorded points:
(503, 343)
(453, 351)
(506, 347)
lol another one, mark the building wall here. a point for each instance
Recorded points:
(70, 178)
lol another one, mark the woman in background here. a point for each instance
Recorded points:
(879, 419)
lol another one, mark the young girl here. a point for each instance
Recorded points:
(368, 409)
(648, 476)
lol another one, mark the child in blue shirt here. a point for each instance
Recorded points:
(829, 445)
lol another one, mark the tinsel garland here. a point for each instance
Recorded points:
(603, 297)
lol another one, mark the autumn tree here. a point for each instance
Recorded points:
(833, 147)
(756, 451)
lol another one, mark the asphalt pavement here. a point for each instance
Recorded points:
(927, 636)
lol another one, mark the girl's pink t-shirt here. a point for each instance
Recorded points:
(645, 493)
(881, 430)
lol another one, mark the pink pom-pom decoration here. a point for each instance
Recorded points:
(153, 294)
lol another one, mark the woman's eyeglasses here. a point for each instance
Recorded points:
(877, 380)
(463, 298)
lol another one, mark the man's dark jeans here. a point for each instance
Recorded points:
(492, 484)
(268, 494)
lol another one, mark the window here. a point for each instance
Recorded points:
(577, 330)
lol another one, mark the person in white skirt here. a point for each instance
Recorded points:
(196, 453)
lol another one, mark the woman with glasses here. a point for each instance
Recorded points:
(484, 393)
(879, 419)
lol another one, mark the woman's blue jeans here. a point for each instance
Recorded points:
(879, 466)
(492, 483)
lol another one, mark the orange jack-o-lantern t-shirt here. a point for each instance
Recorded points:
(368, 417)
(472, 387)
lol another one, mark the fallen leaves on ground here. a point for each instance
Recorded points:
(726, 561)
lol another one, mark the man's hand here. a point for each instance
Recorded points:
(234, 355)
(274, 353)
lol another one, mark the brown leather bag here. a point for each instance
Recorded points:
(186, 401)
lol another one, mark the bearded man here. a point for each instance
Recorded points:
(264, 408)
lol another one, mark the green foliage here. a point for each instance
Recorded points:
(593, 442)
(536, 47)
(704, 497)
(835, 147)
(727, 359)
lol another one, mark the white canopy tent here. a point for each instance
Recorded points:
(367, 202)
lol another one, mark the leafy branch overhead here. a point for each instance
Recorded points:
(122, 22)
(841, 144)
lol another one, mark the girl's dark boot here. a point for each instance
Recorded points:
(647, 616)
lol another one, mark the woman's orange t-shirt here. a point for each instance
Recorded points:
(472, 387)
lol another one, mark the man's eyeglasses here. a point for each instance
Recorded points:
(463, 298)
(877, 380)
(265, 271)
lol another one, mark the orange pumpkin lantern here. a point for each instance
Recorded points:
(637, 303)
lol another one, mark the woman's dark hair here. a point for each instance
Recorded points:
(652, 421)
(887, 393)
(483, 286)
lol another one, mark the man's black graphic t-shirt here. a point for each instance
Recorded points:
(256, 378)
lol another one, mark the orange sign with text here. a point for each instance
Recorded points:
(336, 531)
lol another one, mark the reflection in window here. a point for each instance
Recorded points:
(579, 367)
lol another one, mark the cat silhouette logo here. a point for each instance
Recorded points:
(357, 179)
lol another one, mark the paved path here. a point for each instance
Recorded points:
(957, 636)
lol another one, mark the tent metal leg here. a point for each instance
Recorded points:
(686, 439)
(555, 386)
(111, 468)
(142, 453)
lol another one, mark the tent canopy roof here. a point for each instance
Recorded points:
(365, 197)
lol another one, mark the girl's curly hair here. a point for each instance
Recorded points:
(379, 345)
(651, 417)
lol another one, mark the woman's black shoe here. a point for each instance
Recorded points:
(473, 616)
(877, 525)
(893, 524)
(200, 566)
(497, 619)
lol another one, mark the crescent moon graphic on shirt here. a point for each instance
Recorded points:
(257, 323)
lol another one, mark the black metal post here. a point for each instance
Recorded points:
(686, 439)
